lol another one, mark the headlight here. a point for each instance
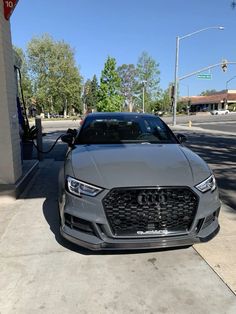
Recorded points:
(77, 187)
(207, 185)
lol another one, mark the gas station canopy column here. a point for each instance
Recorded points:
(10, 152)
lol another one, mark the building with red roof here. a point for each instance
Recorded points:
(224, 100)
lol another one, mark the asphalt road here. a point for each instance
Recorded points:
(225, 126)
(219, 151)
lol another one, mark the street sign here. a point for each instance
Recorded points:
(205, 76)
(9, 6)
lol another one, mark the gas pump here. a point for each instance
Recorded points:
(27, 133)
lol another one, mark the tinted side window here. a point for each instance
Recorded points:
(157, 128)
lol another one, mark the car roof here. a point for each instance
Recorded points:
(119, 114)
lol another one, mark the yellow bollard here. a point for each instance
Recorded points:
(189, 123)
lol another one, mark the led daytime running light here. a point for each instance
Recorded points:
(207, 185)
(79, 188)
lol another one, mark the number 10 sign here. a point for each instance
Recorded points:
(9, 6)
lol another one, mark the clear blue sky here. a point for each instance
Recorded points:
(125, 28)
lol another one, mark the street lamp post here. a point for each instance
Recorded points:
(226, 87)
(143, 99)
(176, 82)
(144, 82)
(227, 82)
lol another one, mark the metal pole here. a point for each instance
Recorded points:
(202, 30)
(143, 99)
(176, 81)
(226, 85)
(39, 138)
(83, 98)
(204, 69)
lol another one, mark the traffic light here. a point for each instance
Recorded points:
(224, 65)
(172, 91)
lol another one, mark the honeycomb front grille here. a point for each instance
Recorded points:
(141, 211)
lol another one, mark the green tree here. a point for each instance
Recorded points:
(87, 95)
(208, 92)
(129, 84)
(149, 78)
(90, 94)
(57, 81)
(40, 54)
(110, 83)
(94, 91)
(163, 103)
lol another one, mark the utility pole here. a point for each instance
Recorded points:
(144, 82)
(176, 84)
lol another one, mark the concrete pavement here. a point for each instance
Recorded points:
(41, 272)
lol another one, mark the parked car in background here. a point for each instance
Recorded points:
(129, 183)
(221, 111)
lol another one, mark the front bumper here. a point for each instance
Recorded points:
(95, 243)
(204, 227)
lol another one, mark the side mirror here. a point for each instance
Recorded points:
(181, 138)
(68, 138)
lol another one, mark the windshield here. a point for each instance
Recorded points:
(109, 129)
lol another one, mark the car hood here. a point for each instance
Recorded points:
(129, 165)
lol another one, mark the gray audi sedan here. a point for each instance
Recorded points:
(129, 183)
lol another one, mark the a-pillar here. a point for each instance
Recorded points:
(10, 152)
